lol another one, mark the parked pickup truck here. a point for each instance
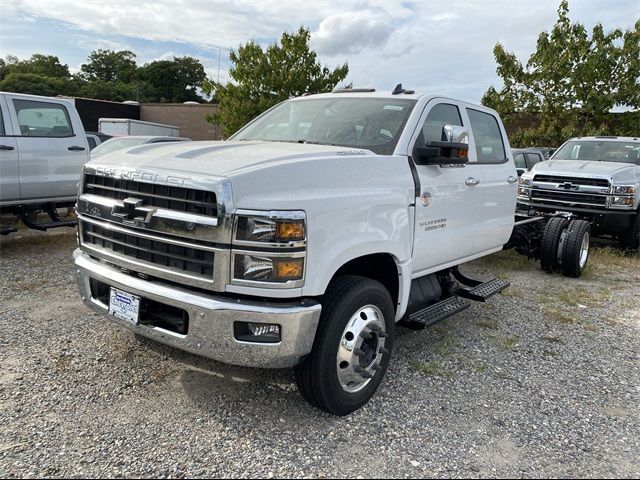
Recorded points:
(301, 240)
(42, 150)
(595, 178)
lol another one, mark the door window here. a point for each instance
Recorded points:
(487, 136)
(1, 124)
(42, 119)
(518, 158)
(532, 159)
(439, 116)
(92, 143)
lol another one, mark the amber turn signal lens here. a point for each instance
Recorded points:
(463, 153)
(287, 231)
(289, 269)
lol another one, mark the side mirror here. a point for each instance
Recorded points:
(453, 150)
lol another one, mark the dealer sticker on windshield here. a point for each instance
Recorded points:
(124, 306)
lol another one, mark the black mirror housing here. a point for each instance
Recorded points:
(443, 153)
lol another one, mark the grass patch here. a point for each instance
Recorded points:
(430, 368)
(488, 324)
(447, 346)
(508, 343)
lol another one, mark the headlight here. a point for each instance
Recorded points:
(524, 183)
(265, 268)
(623, 189)
(271, 227)
(625, 201)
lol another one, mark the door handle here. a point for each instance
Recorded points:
(512, 179)
(76, 148)
(470, 182)
(7, 147)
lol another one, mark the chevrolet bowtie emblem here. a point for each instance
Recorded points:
(131, 211)
(570, 186)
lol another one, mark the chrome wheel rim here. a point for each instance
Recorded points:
(361, 349)
(584, 250)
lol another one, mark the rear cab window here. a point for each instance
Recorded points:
(42, 119)
(487, 136)
(518, 158)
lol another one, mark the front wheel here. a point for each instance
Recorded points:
(352, 348)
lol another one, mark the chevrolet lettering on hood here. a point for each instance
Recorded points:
(141, 176)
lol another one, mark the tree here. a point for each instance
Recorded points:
(38, 85)
(110, 66)
(264, 78)
(572, 82)
(174, 80)
(38, 64)
(112, 91)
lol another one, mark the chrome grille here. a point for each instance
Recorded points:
(180, 199)
(190, 259)
(562, 197)
(591, 182)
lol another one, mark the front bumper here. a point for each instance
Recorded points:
(211, 318)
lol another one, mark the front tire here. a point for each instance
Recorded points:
(575, 251)
(352, 348)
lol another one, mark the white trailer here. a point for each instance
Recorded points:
(128, 126)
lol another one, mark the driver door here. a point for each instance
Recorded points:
(447, 209)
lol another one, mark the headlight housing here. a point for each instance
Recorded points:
(623, 189)
(269, 249)
(524, 184)
(276, 228)
(268, 268)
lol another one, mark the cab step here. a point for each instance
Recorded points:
(440, 311)
(7, 229)
(43, 226)
(482, 292)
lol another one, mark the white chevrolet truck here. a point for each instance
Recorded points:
(305, 237)
(595, 178)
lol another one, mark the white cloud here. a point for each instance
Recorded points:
(436, 46)
(351, 33)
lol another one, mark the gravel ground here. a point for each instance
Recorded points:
(543, 381)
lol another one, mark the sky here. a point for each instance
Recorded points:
(433, 46)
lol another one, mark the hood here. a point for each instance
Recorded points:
(581, 168)
(220, 159)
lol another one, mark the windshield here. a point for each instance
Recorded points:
(372, 123)
(600, 150)
(114, 144)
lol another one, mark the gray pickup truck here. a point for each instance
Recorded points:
(43, 147)
(594, 178)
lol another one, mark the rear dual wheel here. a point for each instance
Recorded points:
(352, 347)
(565, 246)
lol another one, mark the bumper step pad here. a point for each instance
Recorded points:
(484, 291)
(439, 311)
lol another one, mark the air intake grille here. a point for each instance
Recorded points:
(180, 199)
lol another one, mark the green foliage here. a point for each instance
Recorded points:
(264, 78)
(107, 75)
(38, 64)
(572, 82)
(112, 91)
(174, 80)
(110, 66)
(38, 85)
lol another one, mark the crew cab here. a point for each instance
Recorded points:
(305, 237)
(595, 178)
(43, 147)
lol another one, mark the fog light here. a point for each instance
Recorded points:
(257, 332)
